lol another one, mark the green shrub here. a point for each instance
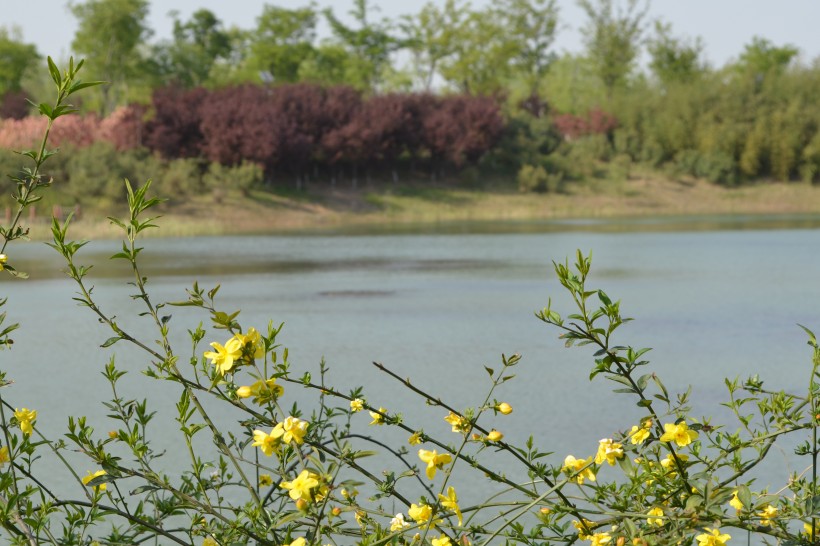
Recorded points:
(243, 177)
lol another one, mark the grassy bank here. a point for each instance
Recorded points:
(426, 206)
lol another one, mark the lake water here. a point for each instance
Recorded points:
(437, 308)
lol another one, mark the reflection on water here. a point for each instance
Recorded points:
(437, 308)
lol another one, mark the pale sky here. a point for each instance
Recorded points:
(724, 25)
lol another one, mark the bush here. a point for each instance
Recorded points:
(242, 177)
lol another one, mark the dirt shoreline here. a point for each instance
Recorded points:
(428, 208)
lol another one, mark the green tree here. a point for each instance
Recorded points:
(482, 54)
(613, 38)
(15, 58)
(531, 26)
(328, 66)
(762, 57)
(674, 60)
(282, 40)
(109, 35)
(370, 45)
(430, 36)
(197, 46)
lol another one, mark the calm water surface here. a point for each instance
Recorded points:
(437, 308)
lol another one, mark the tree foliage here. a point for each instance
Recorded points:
(197, 46)
(282, 40)
(109, 36)
(613, 38)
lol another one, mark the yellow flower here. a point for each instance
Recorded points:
(225, 357)
(712, 537)
(434, 461)
(209, 541)
(494, 436)
(420, 513)
(807, 527)
(504, 408)
(638, 435)
(450, 502)
(678, 433)
(655, 516)
(292, 429)
(25, 418)
(262, 391)
(398, 523)
(459, 423)
(4, 455)
(91, 476)
(415, 438)
(265, 480)
(443, 540)
(582, 529)
(268, 443)
(3, 260)
(378, 418)
(356, 405)
(767, 515)
(349, 494)
(599, 539)
(298, 542)
(579, 467)
(735, 502)
(608, 451)
(252, 340)
(300, 487)
(668, 462)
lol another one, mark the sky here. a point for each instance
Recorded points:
(725, 26)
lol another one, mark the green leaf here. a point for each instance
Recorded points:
(812, 338)
(55, 72)
(144, 489)
(111, 341)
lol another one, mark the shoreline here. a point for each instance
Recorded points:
(635, 204)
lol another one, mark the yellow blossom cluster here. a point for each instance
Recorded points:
(639, 434)
(608, 451)
(292, 429)
(305, 487)
(241, 348)
(420, 513)
(458, 423)
(580, 469)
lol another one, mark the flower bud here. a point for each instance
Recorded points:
(243, 392)
(113, 434)
(504, 408)
(301, 505)
(494, 436)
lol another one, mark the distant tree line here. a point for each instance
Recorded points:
(436, 91)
